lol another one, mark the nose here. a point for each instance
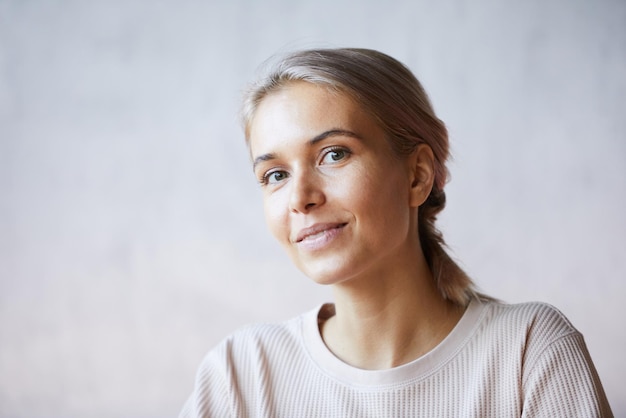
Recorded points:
(306, 193)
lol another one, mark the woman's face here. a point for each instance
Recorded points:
(335, 196)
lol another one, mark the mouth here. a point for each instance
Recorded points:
(318, 231)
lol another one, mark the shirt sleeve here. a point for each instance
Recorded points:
(563, 382)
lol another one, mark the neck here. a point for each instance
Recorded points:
(389, 318)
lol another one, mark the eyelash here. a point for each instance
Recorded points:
(336, 149)
(265, 179)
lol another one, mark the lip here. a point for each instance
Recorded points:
(318, 235)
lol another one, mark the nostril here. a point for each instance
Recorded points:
(305, 193)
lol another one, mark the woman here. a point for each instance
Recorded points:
(351, 160)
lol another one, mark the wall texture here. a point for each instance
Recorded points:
(131, 231)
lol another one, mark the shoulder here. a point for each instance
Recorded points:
(521, 332)
(544, 341)
(259, 336)
(257, 345)
(265, 333)
(531, 319)
(558, 377)
(241, 365)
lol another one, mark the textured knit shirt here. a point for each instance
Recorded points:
(500, 360)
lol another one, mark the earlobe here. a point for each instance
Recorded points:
(423, 174)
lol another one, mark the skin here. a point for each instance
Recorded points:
(344, 207)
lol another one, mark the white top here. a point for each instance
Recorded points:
(499, 361)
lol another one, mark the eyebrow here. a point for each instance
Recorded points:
(324, 135)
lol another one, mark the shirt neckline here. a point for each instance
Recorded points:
(417, 369)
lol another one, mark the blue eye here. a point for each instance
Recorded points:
(334, 155)
(275, 177)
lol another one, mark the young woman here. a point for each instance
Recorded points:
(351, 160)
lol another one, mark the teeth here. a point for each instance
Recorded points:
(319, 234)
(322, 233)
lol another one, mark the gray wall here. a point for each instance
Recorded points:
(131, 232)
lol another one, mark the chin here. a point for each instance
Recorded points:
(327, 274)
(324, 280)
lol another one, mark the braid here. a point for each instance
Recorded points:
(452, 282)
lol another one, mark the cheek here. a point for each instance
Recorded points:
(382, 199)
(275, 216)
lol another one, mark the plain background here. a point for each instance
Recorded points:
(132, 236)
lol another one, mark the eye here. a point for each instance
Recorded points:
(274, 177)
(334, 155)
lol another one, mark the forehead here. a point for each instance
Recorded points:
(301, 111)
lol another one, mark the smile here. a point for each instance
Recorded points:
(318, 235)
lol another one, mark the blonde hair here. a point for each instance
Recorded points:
(390, 92)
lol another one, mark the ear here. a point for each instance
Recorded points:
(422, 162)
